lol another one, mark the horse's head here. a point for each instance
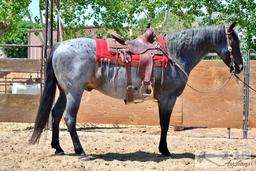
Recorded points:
(230, 50)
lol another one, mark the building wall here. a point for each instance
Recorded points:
(36, 37)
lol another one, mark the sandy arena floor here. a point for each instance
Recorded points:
(124, 148)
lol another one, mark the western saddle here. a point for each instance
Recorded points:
(146, 47)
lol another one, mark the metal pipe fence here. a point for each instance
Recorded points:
(42, 61)
(246, 78)
(246, 91)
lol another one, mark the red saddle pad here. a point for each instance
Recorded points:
(102, 52)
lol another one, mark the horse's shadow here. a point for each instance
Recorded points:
(140, 156)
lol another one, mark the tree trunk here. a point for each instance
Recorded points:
(3, 27)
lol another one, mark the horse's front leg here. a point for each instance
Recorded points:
(165, 105)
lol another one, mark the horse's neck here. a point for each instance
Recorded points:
(190, 46)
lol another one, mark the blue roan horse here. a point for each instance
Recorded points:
(72, 67)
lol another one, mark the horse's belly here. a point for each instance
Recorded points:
(121, 93)
(112, 81)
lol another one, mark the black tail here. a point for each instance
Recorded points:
(46, 101)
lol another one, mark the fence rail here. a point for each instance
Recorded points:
(187, 111)
(15, 45)
(22, 68)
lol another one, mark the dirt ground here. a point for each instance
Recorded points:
(115, 147)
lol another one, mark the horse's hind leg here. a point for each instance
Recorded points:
(73, 103)
(57, 113)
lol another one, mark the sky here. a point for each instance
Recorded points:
(34, 8)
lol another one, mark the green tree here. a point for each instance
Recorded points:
(119, 15)
(11, 12)
(124, 16)
(211, 12)
(19, 36)
(244, 12)
(12, 28)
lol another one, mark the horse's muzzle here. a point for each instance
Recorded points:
(236, 69)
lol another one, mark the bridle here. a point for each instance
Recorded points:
(232, 63)
(228, 37)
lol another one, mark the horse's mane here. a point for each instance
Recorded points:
(194, 39)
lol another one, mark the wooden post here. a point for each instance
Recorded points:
(57, 3)
(46, 28)
(229, 133)
(51, 24)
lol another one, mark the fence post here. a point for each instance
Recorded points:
(42, 72)
(46, 28)
(246, 94)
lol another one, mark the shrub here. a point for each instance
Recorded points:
(18, 36)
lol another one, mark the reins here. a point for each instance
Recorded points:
(217, 89)
(186, 75)
(214, 90)
(245, 83)
(232, 64)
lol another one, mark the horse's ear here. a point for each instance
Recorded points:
(231, 27)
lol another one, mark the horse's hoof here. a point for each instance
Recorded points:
(59, 153)
(165, 152)
(84, 157)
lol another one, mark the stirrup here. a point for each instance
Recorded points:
(146, 90)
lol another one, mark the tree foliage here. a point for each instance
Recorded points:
(244, 12)
(211, 12)
(20, 36)
(13, 30)
(123, 16)
(11, 13)
(132, 15)
(119, 15)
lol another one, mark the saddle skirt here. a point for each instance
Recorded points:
(133, 53)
